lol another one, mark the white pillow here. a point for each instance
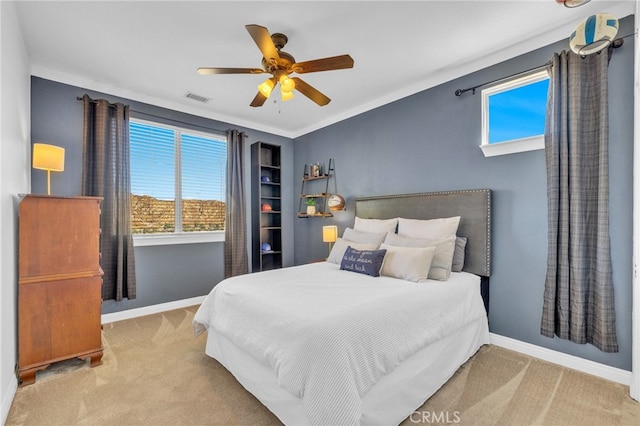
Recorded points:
(375, 225)
(340, 246)
(364, 237)
(407, 263)
(428, 228)
(442, 259)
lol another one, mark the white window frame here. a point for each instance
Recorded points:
(178, 237)
(515, 145)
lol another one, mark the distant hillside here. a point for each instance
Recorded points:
(150, 215)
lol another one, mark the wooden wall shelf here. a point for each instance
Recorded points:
(310, 188)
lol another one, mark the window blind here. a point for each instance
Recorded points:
(175, 169)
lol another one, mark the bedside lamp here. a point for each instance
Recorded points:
(329, 235)
(49, 158)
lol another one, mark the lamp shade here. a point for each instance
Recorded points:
(48, 157)
(287, 84)
(286, 96)
(329, 233)
(266, 87)
(593, 34)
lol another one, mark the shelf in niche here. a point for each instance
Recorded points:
(266, 225)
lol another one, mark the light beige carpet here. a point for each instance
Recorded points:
(155, 372)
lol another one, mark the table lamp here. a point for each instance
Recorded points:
(329, 235)
(49, 158)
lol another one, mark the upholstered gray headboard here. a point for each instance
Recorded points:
(473, 206)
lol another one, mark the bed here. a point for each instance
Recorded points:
(317, 344)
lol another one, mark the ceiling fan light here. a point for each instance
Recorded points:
(286, 96)
(287, 84)
(266, 87)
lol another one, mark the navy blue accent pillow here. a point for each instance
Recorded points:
(367, 262)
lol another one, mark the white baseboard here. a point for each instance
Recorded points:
(7, 399)
(148, 310)
(584, 365)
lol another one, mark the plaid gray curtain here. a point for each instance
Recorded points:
(578, 296)
(105, 173)
(236, 260)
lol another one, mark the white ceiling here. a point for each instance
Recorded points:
(149, 50)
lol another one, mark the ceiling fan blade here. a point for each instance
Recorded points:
(310, 92)
(209, 70)
(259, 100)
(324, 64)
(263, 39)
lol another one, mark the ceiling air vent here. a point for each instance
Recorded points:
(197, 97)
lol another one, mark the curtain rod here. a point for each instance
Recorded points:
(614, 44)
(93, 101)
(540, 67)
(166, 118)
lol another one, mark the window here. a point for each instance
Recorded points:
(513, 114)
(178, 180)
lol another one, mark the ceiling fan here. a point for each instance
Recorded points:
(280, 65)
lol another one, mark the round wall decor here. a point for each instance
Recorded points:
(336, 202)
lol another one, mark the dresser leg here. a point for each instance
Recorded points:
(28, 377)
(96, 359)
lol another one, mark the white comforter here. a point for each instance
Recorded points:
(330, 335)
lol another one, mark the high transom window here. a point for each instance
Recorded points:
(513, 114)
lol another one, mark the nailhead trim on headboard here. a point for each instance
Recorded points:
(486, 216)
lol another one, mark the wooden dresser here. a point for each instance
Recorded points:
(60, 282)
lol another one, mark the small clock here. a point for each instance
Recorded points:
(336, 202)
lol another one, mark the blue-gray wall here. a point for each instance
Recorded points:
(163, 273)
(429, 142)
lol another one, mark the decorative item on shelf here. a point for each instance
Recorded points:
(315, 170)
(266, 207)
(593, 34)
(266, 248)
(329, 235)
(336, 202)
(265, 179)
(49, 158)
(311, 206)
